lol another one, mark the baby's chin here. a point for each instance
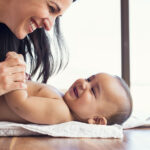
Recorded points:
(65, 97)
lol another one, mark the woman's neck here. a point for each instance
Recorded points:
(4, 10)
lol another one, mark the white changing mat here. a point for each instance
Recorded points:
(136, 121)
(68, 129)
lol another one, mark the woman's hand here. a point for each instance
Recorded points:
(12, 73)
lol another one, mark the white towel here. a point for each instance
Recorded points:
(68, 129)
(136, 121)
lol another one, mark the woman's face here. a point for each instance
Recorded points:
(25, 16)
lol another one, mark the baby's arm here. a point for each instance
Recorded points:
(41, 110)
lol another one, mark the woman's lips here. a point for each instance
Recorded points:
(46, 25)
(33, 25)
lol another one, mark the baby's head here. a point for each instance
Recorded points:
(100, 99)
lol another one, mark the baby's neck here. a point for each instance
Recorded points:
(75, 117)
(58, 92)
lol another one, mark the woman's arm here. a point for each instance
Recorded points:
(41, 110)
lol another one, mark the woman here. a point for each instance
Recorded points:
(22, 30)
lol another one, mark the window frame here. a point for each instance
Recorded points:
(125, 45)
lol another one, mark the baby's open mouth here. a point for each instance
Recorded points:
(75, 92)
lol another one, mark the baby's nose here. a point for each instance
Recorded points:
(80, 87)
(82, 84)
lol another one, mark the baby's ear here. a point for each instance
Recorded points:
(98, 120)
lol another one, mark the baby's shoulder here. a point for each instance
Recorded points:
(43, 90)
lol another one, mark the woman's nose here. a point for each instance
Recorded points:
(49, 22)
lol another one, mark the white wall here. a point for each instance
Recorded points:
(140, 53)
(92, 31)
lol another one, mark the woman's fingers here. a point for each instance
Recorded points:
(15, 58)
(11, 82)
(18, 69)
(12, 73)
(17, 86)
(11, 70)
(14, 61)
(5, 88)
(18, 77)
(13, 55)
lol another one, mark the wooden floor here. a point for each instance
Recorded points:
(134, 139)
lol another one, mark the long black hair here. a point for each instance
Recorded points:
(37, 46)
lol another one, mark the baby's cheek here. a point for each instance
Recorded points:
(87, 99)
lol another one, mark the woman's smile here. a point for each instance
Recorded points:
(33, 25)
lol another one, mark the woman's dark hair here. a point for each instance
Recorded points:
(37, 46)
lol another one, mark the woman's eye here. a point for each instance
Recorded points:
(52, 9)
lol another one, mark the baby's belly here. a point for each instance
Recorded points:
(6, 114)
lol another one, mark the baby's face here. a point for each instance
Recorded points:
(99, 95)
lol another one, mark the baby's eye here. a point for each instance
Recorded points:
(52, 9)
(88, 79)
(93, 91)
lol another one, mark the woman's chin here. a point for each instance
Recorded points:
(21, 36)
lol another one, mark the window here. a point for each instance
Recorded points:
(140, 54)
(92, 31)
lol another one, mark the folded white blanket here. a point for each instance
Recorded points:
(68, 129)
(72, 129)
(135, 121)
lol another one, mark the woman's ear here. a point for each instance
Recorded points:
(98, 120)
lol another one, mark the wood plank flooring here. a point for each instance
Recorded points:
(134, 139)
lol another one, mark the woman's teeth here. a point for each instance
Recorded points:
(33, 26)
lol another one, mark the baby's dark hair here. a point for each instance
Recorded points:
(122, 115)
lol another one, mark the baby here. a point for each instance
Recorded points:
(100, 99)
